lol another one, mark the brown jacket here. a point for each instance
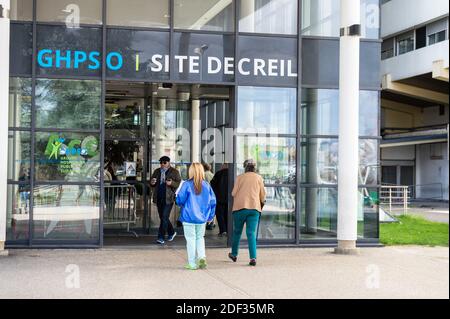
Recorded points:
(248, 192)
(173, 174)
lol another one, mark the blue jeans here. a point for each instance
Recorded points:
(165, 225)
(195, 242)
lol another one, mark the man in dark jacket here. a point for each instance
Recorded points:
(219, 185)
(165, 181)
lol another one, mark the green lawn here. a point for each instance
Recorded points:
(413, 230)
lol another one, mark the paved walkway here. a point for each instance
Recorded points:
(432, 211)
(393, 272)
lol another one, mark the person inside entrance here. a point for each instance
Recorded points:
(164, 182)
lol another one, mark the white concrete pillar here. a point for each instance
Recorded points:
(248, 14)
(348, 127)
(160, 128)
(4, 99)
(196, 131)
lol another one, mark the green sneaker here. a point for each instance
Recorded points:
(202, 263)
(189, 267)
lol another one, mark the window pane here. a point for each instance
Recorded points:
(171, 127)
(21, 10)
(138, 13)
(267, 110)
(368, 162)
(321, 17)
(72, 12)
(19, 102)
(278, 216)
(320, 112)
(117, 154)
(370, 19)
(320, 161)
(68, 157)
(21, 49)
(211, 15)
(368, 210)
(275, 157)
(66, 212)
(58, 51)
(72, 104)
(19, 150)
(124, 118)
(369, 113)
(268, 16)
(319, 213)
(18, 212)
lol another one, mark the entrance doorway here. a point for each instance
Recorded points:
(144, 121)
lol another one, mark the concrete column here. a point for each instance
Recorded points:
(196, 131)
(248, 14)
(4, 97)
(348, 127)
(160, 128)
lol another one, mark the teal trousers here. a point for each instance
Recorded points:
(249, 218)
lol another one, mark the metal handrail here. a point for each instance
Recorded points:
(395, 195)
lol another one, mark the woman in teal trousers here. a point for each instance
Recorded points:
(249, 196)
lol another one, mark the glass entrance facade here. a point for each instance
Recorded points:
(72, 61)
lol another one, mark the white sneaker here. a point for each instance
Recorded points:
(171, 238)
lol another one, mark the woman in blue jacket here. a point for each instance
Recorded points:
(198, 206)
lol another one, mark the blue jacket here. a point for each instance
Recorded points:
(196, 209)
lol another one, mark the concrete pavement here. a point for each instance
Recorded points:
(392, 272)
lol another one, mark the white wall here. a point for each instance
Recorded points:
(416, 62)
(432, 170)
(400, 15)
(401, 153)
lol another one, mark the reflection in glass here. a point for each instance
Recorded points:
(19, 102)
(215, 15)
(21, 10)
(121, 154)
(18, 212)
(66, 212)
(268, 16)
(320, 161)
(72, 12)
(73, 104)
(368, 213)
(57, 46)
(320, 112)
(138, 13)
(368, 162)
(67, 157)
(321, 18)
(275, 157)
(278, 216)
(266, 110)
(319, 213)
(370, 19)
(171, 127)
(125, 118)
(369, 113)
(19, 151)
